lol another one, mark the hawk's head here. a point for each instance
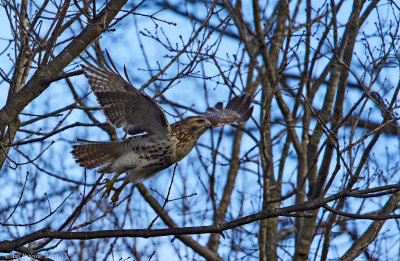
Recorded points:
(198, 125)
(191, 128)
(187, 132)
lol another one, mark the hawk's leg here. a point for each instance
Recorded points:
(109, 186)
(117, 191)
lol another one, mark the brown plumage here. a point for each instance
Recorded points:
(160, 144)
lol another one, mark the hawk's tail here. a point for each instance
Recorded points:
(97, 154)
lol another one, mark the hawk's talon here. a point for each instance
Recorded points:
(117, 192)
(115, 196)
(109, 187)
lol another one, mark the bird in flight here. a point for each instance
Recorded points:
(160, 144)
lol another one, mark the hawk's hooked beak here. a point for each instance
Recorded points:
(209, 125)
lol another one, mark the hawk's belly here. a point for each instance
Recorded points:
(144, 158)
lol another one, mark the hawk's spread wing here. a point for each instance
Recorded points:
(125, 106)
(237, 111)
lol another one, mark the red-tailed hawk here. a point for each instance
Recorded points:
(160, 145)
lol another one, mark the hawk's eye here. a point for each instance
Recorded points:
(200, 121)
